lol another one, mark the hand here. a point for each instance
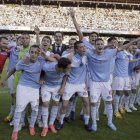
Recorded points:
(2, 84)
(41, 82)
(71, 12)
(61, 91)
(36, 30)
(26, 60)
(43, 53)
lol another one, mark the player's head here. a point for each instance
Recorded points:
(3, 42)
(34, 52)
(79, 47)
(25, 39)
(92, 37)
(18, 41)
(138, 44)
(64, 65)
(126, 42)
(99, 45)
(46, 43)
(133, 48)
(112, 41)
(58, 37)
(71, 43)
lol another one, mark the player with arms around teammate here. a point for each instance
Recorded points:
(27, 89)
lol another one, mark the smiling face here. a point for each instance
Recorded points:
(114, 42)
(138, 44)
(99, 44)
(92, 38)
(34, 53)
(71, 43)
(25, 39)
(46, 42)
(58, 38)
(3, 43)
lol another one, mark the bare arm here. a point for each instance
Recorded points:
(61, 90)
(129, 44)
(134, 60)
(11, 73)
(79, 32)
(42, 78)
(37, 32)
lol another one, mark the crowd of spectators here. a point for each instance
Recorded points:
(58, 17)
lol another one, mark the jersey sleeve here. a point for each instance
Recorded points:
(19, 66)
(87, 44)
(75, 62)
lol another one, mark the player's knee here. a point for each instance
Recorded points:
(108, 102)
(119, 93)
(45, 104)
(93, 104)
(65, 104)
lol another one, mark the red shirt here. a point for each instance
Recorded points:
(3, 56)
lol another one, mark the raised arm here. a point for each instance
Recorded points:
(61, 90)
(134, 60)
(37, 32)
(129, 44)
(79, 32)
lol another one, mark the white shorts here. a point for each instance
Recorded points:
(121, 83)
(26, 95)
(47, 92)
(98, 89)
(70, 89)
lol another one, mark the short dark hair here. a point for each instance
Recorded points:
(73, 39)
(48, 38)
(3, 37)
(110, 39)
(58, 32)
(77, 43)
(126, 42)
(98, 39)
(63, 62)
(94, 33)
(35, 46)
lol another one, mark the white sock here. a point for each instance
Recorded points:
(16, 119)
(53, 114)
(97, 108)
(39, 112)
(33, 117)
(12, 110)
(82, 111)
(122, 101)
(62, 118)
(116, 103)
(69, 109)
(86, 118)
(74, 103)
(126, 101)
(132, 99)
(93, 114)
(22, 120)
(109, 112)
(104, 107)
(45, 115)
(59, 108)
